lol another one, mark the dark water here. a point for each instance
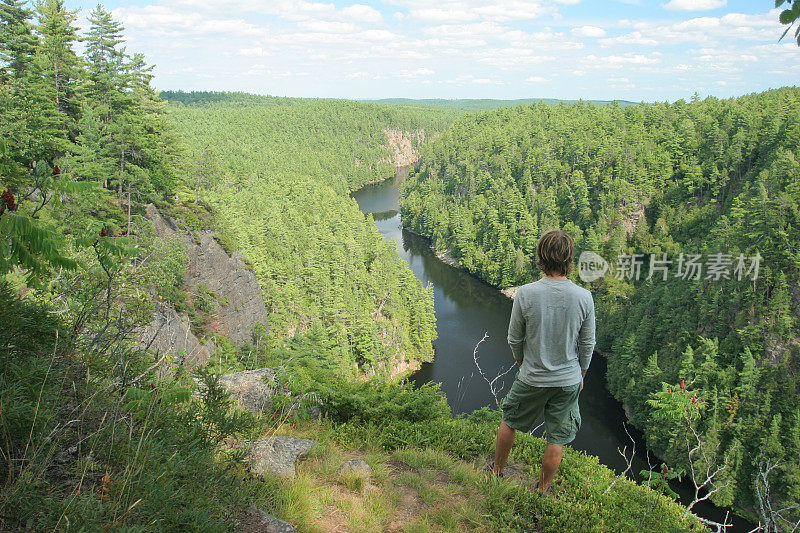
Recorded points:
(466, 308)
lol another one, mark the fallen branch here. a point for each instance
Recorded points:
(493, 387)
(628, 460)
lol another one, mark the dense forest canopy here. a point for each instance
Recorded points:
(283, 169)
(486, 104)
(701, 177)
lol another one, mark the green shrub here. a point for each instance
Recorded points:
(373, 400)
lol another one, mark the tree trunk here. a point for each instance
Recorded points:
(121, 173)
(129, 209)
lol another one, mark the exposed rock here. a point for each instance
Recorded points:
(254, 520)
(403, 145)
(510, 471)
(446, 257)
(356, 465)
(277, 455)
(632, 219)
(252, 389)
(239, 305)
(170, 333)
(66, 455)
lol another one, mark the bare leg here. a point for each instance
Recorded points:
(550, 462)
(505, 439)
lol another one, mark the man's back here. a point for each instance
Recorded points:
(552, 331)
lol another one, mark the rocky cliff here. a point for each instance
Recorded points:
(404, 145)
(239, 307)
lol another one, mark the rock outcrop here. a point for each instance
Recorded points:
(404, 145)
(239, 306)
(252, 389)
(510, 292)
(357, 465)
(277, 455)
(255, 390)
(170, 333)
(254, 520)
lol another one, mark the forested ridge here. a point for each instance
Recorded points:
(702, 177)
(486, 104)
(277, 174)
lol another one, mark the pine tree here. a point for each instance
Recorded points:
(103, 57)
(58, 72)
(17, 41)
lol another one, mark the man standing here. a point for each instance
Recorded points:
(551, 335)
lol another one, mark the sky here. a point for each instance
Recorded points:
(635, 50)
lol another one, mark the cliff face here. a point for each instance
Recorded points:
(404, 145)
(239, 306)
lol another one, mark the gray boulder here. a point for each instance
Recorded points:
(356, 465)
(277, 455)
(252, 389)
(254, 520)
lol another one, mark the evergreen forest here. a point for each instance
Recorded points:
(647, 187)
(101, 431)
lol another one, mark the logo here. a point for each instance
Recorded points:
(591, 266)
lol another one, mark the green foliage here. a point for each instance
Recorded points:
(695, 178)
(374, 400)
(279, 190)
(213, 418)
(28, 340)
(580, 504)
(79, 454)
(789, 16)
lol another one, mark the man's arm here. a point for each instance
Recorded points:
(516, 331)
(586, 339)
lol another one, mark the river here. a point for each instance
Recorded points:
(466, 308)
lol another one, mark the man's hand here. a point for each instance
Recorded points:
(583, 375)
(581, 384)
(519, 362)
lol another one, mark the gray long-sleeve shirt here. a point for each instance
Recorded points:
(552, 332)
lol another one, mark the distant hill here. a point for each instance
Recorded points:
(208, 97)
(486, 104)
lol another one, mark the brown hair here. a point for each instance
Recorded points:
(555, 252)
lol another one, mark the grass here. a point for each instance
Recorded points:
(435, 488)
(408, 489)
(156, 444)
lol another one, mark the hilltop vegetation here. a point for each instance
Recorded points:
(487, 104)
(705, 177)
(277, 173)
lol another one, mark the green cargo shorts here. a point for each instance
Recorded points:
(562, 418)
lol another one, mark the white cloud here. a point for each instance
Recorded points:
(412, 74)
(694, 5)
(510, 56)
(362, 13)
(588, 31)
(327, 26)
(635, 38)
(475, 10)
(256, 51)
(536, 79)
(628, 60)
